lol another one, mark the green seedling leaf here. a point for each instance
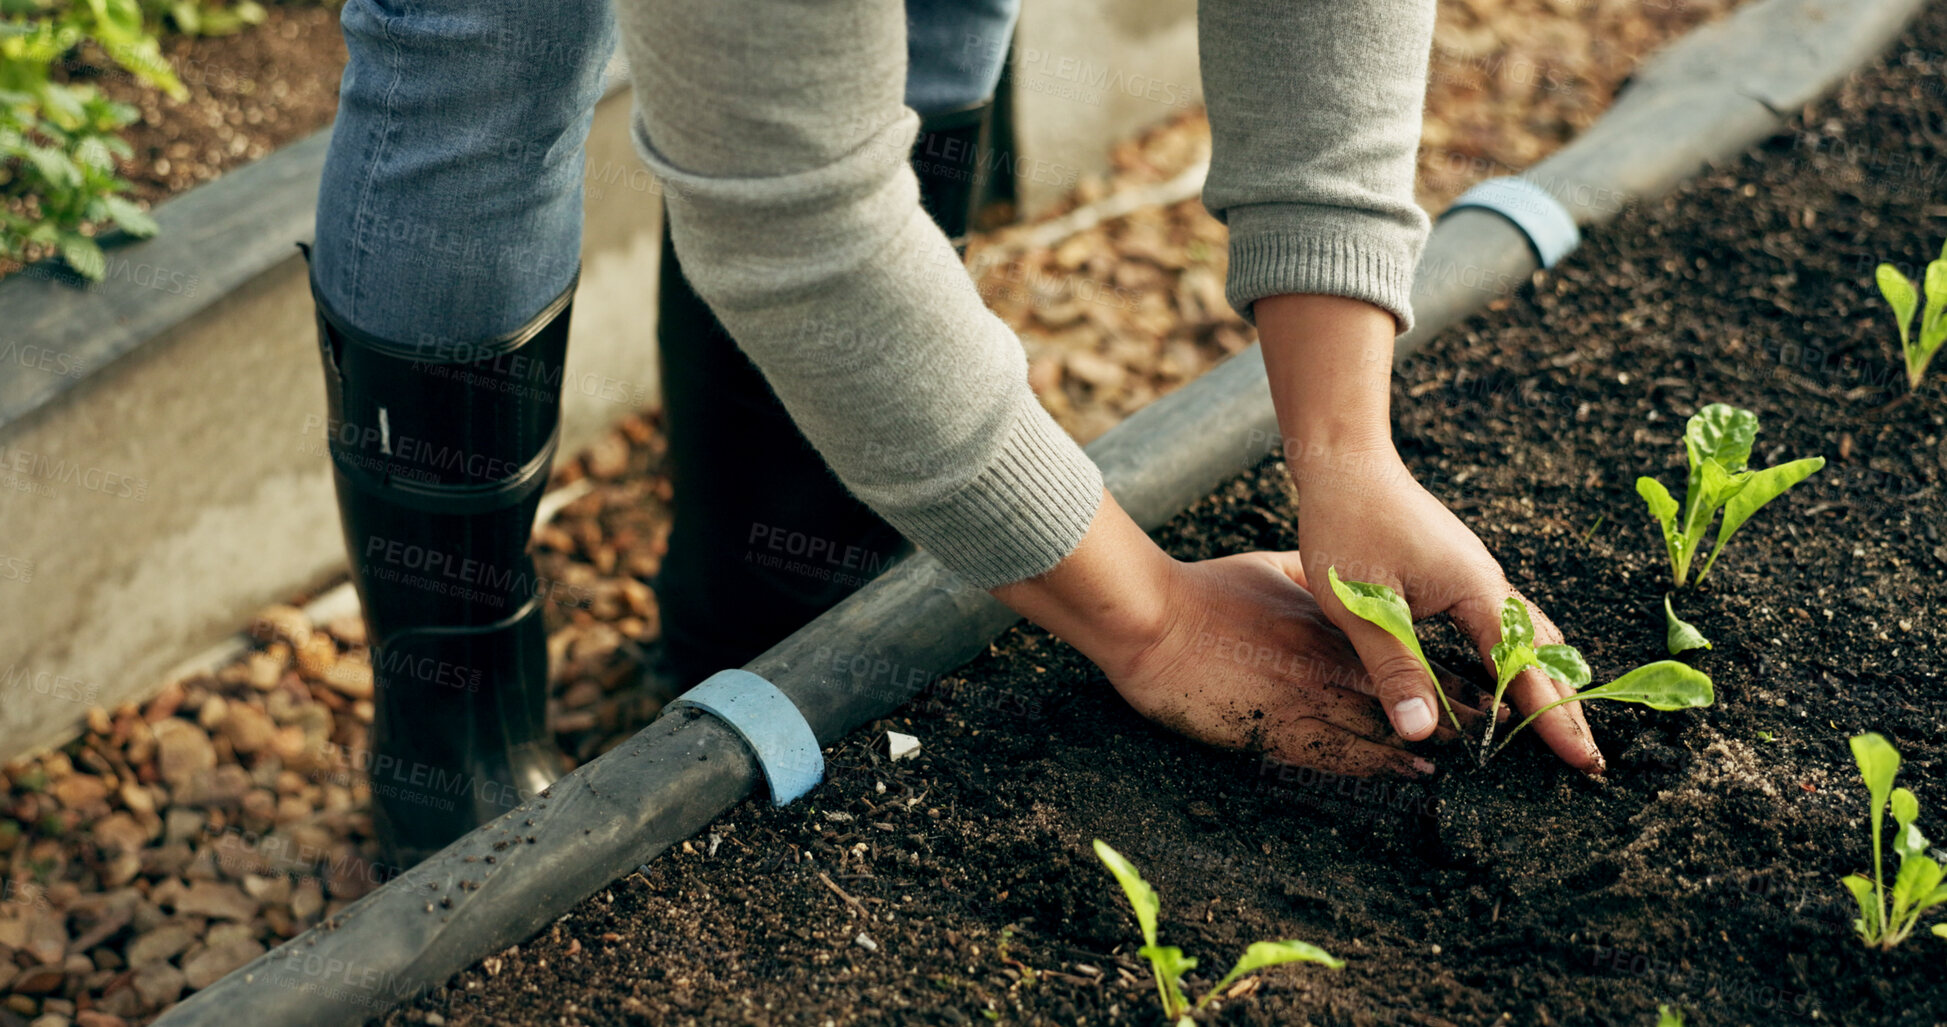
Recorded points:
(1917, 885)
(130, 218)
(1169, 964)
(1383, 606)
(1721, 433)
(1678, 636)
(83, 256)
(1270, 953)
(1664, 508)
(1667, 1016)
(1663, 685)
(1901, 296)
(1564, 664)
(1717, 441)
(1760, 488)
(1141, 896)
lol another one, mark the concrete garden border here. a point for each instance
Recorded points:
(1708, 97)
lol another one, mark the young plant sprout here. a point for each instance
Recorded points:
(1718, 442)
(1885, 922)
(1903, 297)
(1668, 1016)
(1170, 964)
(1678, 636)
(1516, 652)
(1663, 685)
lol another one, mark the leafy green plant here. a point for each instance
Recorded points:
(1886, 919)
(1718, 441)
(1902, 295)
(1668, 1016)
(205, 17)
(1679, 636)
(1663, 685)
(58, 141)
(1168, 962)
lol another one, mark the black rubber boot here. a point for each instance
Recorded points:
(440, 453)
(764, 537)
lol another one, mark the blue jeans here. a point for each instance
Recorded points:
(450, 209)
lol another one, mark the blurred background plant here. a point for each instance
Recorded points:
(60, 138)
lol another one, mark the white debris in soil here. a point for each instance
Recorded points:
(900, 746)
(865, 942)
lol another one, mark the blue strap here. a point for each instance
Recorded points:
(1549, 226)
(769, 723)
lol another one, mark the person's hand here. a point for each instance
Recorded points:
(1249, 661)
(1360, 509)
(1233, 652)
(1366, 515)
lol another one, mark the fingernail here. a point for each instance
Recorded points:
(1413, 716)
(1423, 766)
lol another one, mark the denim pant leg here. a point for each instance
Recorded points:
(955, 50)
(450, 209)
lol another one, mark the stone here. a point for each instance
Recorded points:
(248, 728)
(40, 980)
(97, 1018)
(308, 900)
(213, 962)
(159, 984)
(215, 899)
(901, 746)
(165, 942)
(80, 791)
(182, 752)
(285, 623)
(120, 832)
(351, 677)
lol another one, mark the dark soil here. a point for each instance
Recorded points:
(249, 93)
(1702, 872)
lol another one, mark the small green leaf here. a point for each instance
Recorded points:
(1381, 606)
(1667, 1016)
(1940, 930)
(1723, 433)
(1679, 636)
(1664, 508)
(1900, 295)
(1517, 627)
(1141, 896)
(1271, 953)
(1905, 806)
(83, 256)
(1863, 893)
(129, 217)
(1663, 685)
(1384, 607)
(1760, 488)
(1878, 763)
(1564, 664)
(1918, 877)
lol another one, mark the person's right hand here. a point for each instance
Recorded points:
(1233, 652)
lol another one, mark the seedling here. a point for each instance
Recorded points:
(1718, 442)
(1516, 651)
(1903, 297)
(1663, 685)
(1678, 636)
(1170, 964)
(1886, 921)
(1668, 1016)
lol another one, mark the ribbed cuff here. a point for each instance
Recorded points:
(1294, 248)
(1025, 511)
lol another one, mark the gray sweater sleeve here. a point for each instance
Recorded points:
(1315, 126)
(778, 131)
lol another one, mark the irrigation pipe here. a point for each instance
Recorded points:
(1708, 97)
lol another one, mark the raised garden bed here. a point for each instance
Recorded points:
(1702, 872)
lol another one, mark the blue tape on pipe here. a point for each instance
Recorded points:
(1549, 226)
(769, 723)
